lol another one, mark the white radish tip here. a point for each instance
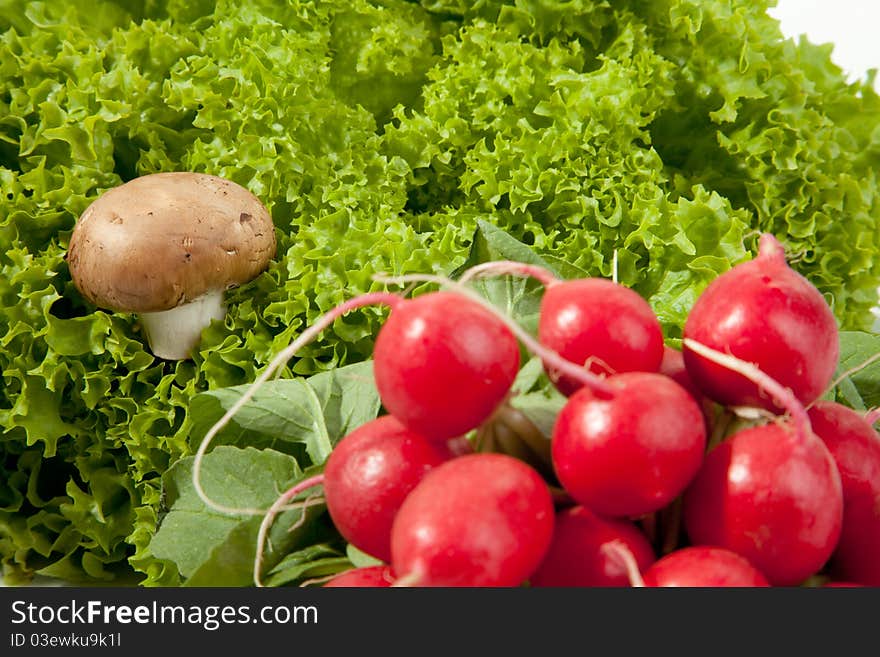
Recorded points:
(770, 247)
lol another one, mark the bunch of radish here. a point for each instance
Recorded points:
(650, 482)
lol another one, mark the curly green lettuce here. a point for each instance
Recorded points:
(379, 133)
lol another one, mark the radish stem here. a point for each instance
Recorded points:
(517, 421)
(618, 550)
(509, 267)
(321, 580)
(285, 497)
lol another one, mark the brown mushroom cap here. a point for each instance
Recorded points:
(164, 239)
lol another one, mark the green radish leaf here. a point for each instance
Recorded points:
(861, 389)
(314, 562)
(210, 548)
(360, 559)
(529, 376)
(313, 413)
(847, 393)
(519, 297)
(492, 243)
(542, 408)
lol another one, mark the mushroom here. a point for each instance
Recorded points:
(167, 246)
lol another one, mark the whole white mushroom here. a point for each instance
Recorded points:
(167, 246)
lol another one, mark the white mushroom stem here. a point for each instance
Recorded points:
(174, 334)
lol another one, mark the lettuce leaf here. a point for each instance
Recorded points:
(382, 134)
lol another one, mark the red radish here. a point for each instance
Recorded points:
(367, 576)
(703, 566)
(841, 585)
(763, 312)
(365, 480)
(443, 364)
(576, 557)
(477, 520)
(632, 453)
(368, 475)
(601, 324)
(855, 447)
(770, 493)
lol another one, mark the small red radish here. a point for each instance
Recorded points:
(855, 447)
(368, 475)
(632, 453)
(601, 324)
(477, 520)
(765, 313)
(703, 566)
(770, 493)
(365, 577)
(365, 480)
(576, 558)
(443, 364)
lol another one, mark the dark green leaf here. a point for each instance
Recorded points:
(360, 559)
(542, 408)
(314, 412)
(519, 297)
(211, 548)
(860, 390)
(492, 243)
(529, 376)
(313, 562)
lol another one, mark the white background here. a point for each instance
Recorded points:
(853, 26)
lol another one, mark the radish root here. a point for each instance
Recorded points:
(508, 267)
(320, 580)
(851, 371)
(618, 551)
(276, 507)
